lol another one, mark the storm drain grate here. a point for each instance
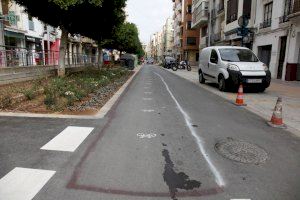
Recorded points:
(241, 151)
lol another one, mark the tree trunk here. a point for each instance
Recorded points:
(100, 57)
(62, 52)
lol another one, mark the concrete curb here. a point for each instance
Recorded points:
(101, 114)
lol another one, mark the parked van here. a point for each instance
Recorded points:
(230, 66)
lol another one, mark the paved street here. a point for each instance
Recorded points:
(166, 138)
(260, 103)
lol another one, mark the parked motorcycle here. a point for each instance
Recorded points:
(184, 65)
(171, 65)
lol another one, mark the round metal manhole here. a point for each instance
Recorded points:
(240, 151)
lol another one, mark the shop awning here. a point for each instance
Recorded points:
(14, 35)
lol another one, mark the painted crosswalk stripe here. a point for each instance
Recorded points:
(23, 184)
(69, 139)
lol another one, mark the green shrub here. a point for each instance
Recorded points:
(5, 100)
(30, 94)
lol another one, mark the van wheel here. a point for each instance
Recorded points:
(222, 83)
(201, 78)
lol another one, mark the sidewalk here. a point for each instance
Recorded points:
(261, 104)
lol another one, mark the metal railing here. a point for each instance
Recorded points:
(220, 7)
(265, 24)
(283, 19)
(20, 57)
(296, 6)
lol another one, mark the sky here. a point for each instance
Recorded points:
(148, 15)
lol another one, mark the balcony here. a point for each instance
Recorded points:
(265, 24)
(203, 42)
(220, 8)
(178, 7)
(283, 19)
(216, 37)
(200, 18)
(295, 9)
(213, 13)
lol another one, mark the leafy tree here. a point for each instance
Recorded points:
(125, 38)
(95, 19)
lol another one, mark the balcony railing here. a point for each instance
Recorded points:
(283, 19)
(216, 37)
(220, 7)
(213, 13)
(21, 57)
(265, 24)
(296, 6)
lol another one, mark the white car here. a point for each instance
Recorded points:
(230, 66)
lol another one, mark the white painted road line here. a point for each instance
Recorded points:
(218, 178)
(23, 184)
(147, 99)
(148, 111)
(148, 92)
(69, 139)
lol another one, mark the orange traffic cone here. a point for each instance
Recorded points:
(240, 97)
(276, 120)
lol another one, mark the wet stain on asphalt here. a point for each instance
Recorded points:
(175, 180)
(162, 134)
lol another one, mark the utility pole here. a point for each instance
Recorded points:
(2, 42)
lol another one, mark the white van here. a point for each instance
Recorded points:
(230, 66)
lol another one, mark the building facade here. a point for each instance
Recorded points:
(277, 37)
(273, 30)
(178, 28)
(200, 11)
(26, 41)
(190, 35)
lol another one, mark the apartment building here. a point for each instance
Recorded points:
(217, 23)
(277, 37)
(274, 30)
(234, 9)
(168, 37)
(190, 36)
(200, 20)
(178, 28)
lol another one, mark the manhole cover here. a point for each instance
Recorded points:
(240, 151)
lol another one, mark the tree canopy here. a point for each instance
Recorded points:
(125, 38)
(92, 18)
(95, 19)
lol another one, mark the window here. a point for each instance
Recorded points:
(189, 25)
(214, 57)
(204, 31)
(247, 8)
(189, 9)
(191, 41)
(238, 55)
(287, 7)
(232, 11)
(268, 15)
(30, 23)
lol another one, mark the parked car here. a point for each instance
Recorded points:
(229, 66)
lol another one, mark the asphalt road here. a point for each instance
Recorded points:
(159, 141)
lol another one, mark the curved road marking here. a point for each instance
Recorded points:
(218, 178)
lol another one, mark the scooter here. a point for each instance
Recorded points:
(184, 65)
